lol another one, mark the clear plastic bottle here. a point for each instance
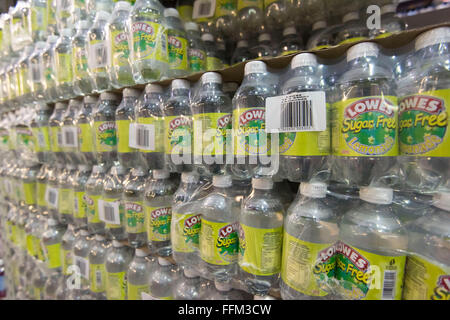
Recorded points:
(224, 291)
(390, 23)
(275, 13)
(70, 132)
(322, 36)
(213, 60)
(52, 28)
(125, 115)
(51, 193)
(149, 47)
(188, 287)
(264, 47)
(36, 73)
(158, 198)
(84, 123)
(219, 241)
(64, 65)
(225, 18)
(97, 269)
(178, 127)
(291, 42)
(40, 130)
(105, 133)
(66, 194)
(51, 241)
(197, 52)
(117, 261)
(352, 29)
(94, 189)
(310, 232)
(21, 33)
(39, 19)
(177, 44)
(82, 82)
(64, 17)
(138, 275)
(250, 15)
(55, 124)
(67, 243)
(241, 53)
(119, 67)
(80, 250)
(133, 196)
(162, 279)
(230, 88)
(49, 76)
(80, 208)
(371, 253)
(97, 48)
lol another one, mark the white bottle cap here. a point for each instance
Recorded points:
(264, 37)
(102, 15)
(190, 273)
(262, 183)
(350, 17)
(376, 195)
(242, 44)
(84, 233)
(211, 77)
(222, 181)
(189, 177)
(99, 237)
(207, 37)
(129, 92)
(109, 96)
(316, 190)
(66, 32)
(388, 8)
(289, 30)
(180, 84)
(161, 174)
(117, 244)
(263, 298)
(223, 286)
(319, 25)
(230, 86)
(364, 49)
(171, 12)
(140, 253)
(60, 105)
(442, 201)
(52, 38)
(432, 37)
(52, 222)
(255, 67)
(98, 169)
(153, 88)
(304, 60)
(90, 99)
(191, 26)
(164, 262)
(122, 5)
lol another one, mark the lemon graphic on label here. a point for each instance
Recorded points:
(371, 140)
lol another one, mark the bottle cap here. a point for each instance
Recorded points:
(230, 86)
(262, 183)
(242, 44)
(191, 26)
(52, 222)
(304, 60)
(84, 233)
(190, 273)
(289, 30)
(255, 67)
(313, 189)
(60, 105)
(222, 181)
(264, 37)
(66, 32)
(171, 12)
(211, 77)
(442, 201)
(189, 177)
(102, 15)
(364, 49)
(99, 237)
(161, 174)
(164, 262)
(376, 195)
(109, 96)
(207, 37)
(140, 253)
(223, 286)
(388, 8)
(122, 5)
(129, 92)
(319, 25)
(83, 24)
(153, 88)
(98, 169)
(180, 84)
(90, 99)
(117, 244)
(433, 37)
(350, 17)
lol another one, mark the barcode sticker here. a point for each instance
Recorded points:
(297, 112)
(59, 138)
(99, 278)
(109, 212)
(83, 265)
(390, 279)
(8, 187)
(98, 55)
(203, 9)
(51, 196)
(41, 139)
(142, 136)
(69, 136)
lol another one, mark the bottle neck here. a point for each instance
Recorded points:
(180, 93)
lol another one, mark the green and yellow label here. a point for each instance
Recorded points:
(225, 7)
(210, 133)
(135, 217)
(116, 286)
(148, 41)
(158, 123)
(105, 136)
(40, 189)
(158, 220)
(187, 232)
(39, 250)
(92, 208)
(219, 242)
(66, 260)
(30, 246)
(134, 291)
(213, 63)
(64, 69)
(123, 136)
(197, 60)
(423, 124)
(177, 52)
(86, 138)
(80, 207)
(365, 127)
(97, 277)
(53, 255)
(42, 137)
(241, 4)
(29, 190)
(120, 51)
(178, 134)
(80, 61)
(65, 201)
(250, 132)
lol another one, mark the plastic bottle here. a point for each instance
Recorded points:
(39, 19)
(82, 82)
(291, 42)
(117, 261)
(158, 197)
(241, 53)
(51, 240)
(138, 275)
(69, 132)
(223, 53)
(352, 29)
(264, 47)
(321, 36)
(162, 280)
(80, 208)
(188, 287)
(133, 196)
(67, 243)
(21, 26)
(310, 232)
(40, 128)
(105, 130)
(225, 18)
(55, 124)
(177, 44)
(119, 67)
(230, 88)
(275, 13)
(97, 48)
(81, 249)
(211, 110)
(23, 74)
(49, 76)
(372, 243)
(260, 237)
(364, 155)
(250, 15)
(219, 241)
(125, 115)
(149, 47)
(36, 73)
(224, 291)
(178, 127)
(64, 65)
(85, 133)
(213, 61)
(389, 22)
(97, 269)
(66, 194)
(94, 188)
(197, 52)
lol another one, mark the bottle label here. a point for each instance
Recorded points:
(185, 237)
(365, 127)
(66, 259)
(123, 136)
(150, 136)
(197, 60)
(308, 267)
(177, 50)
(423, 124)
(41, 187)
(65, 201)
(38, 18)
(92, 208)
(250, 3)
(185, 12)
(219, 242)
(30, 246)
(158, 220)
(86, 140)
(56, 139)
(80, 205)
(135, 216)
(25, 139)
(213, 63)
(116, 286)
(148, 41)
(250, 132)
(225, 8)
(80, 60)
(38, 248)
(210, 133)
(425, 280)
(29, 190)
(42, 138)
(53, 255)
(352, 40)
(64, 70)
(105, 136)
(38, 293)
(24, 71)
(134, 291)
(260, 250)
(178, 130)
(120, 51)
(97, 277)
(362, 275)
